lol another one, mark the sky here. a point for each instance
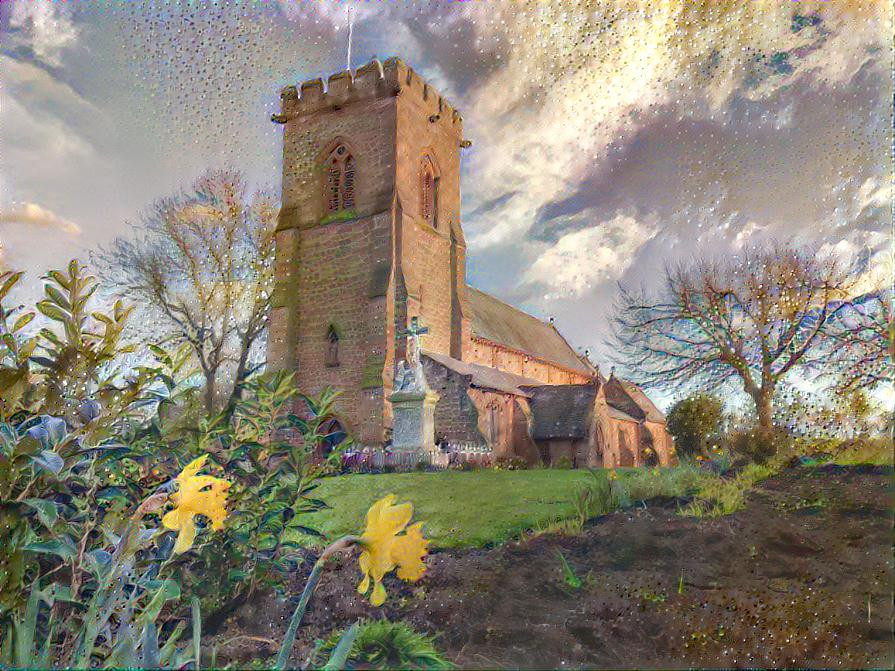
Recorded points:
(609, 138)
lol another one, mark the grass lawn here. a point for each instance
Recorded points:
(458, 508)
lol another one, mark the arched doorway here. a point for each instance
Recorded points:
(334, 433)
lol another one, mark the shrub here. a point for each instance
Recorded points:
(677, 482)
(759, 445)
(864, 450)
(273, 481)
(563, 462)
(694, 422)
(510, 464)
(594, 498)
(381, 644)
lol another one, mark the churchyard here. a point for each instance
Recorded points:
(296, 403)
(121, 501)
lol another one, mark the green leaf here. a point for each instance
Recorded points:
(63, 548)
(151, 654)
(22, 321)
(49, 461)
(299, 613)
(47, 511)
(343, 649)
(124, 654)
(43, 659)
(168, 590)
(197, 633)
(170, 646)
(235, 575)
(9, 282)
(61, 593)
(53, 311)
(26, 629)
(59, 279)
(57, 297)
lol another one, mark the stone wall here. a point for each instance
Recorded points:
(456, 416)
(367, 271)
(499, 356)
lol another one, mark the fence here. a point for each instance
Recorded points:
(451, 456)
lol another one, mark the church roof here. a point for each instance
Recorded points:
(653, 414)
(484, 377)
(617, 397)
(494, 320)
(561, 411)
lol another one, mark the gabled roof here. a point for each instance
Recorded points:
(561, 411)
(484, 377)
(494, 320)
(653, 414)
(617, 397)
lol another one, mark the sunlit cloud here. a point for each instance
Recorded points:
(45, 27)
(32, 214)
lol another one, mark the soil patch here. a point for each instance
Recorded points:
(801, 577)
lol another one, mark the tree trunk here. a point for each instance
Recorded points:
(764, 407)
(209, 392)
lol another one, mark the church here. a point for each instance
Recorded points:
(369, 240)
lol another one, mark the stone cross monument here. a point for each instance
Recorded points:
(413, 402)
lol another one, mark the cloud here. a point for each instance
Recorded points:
(584, 258)
(34, 215)
(45, 27)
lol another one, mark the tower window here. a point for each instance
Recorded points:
(429, 193)
(332, 348)
(339, 180)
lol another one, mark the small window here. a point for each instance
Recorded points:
(332, 348)
(429, 193)
(340, 177)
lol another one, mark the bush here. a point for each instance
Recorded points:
(759, 445)
(563, 463)
(381, 644)
(84, 439)
(694, 423)
(510, 464)
(677, 482)
(594, 498)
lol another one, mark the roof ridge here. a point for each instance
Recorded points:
(513, 307)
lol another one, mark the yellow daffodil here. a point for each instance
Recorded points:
(613, 475)
(196, 495)
(384, 549)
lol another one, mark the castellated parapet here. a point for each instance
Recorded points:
(373, 80)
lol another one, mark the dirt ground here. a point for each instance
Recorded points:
(801, 577)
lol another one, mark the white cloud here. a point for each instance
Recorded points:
(579, 82)
(45, 26)
(873, 194)
(583, 258)
(35, 215)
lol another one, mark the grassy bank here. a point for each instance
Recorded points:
(460, 508)
(480, 508)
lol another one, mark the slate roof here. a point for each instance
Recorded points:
(653, 414)
(617, 397)
(484, 377)
(494, 320)
(561, 411)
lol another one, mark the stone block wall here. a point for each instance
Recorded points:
(499, 356)
(456, 416)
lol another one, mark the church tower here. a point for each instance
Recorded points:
(369, 235)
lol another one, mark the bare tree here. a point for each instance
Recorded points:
(751, 319)
(861, 342)
(200, 266)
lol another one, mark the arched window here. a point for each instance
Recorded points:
(339, 180)
(332, 347)
(429, 193)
